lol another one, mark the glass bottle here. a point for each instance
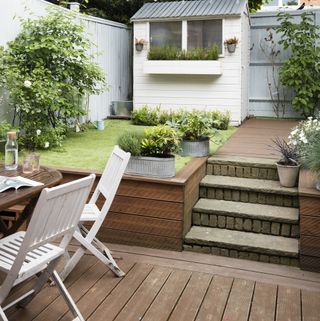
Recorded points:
(11, 152)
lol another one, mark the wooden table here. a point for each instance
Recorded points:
(29, 195)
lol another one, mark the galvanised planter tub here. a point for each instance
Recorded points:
(195, 148)
(151, 166)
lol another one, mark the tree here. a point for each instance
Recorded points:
(301, 71)
(123, 10)
(47, 72)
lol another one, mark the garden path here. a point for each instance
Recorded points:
(253, 137)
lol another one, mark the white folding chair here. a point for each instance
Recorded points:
(27, 254)
(107, 186)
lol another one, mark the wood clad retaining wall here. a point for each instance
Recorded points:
(309, 199)
(150, 212)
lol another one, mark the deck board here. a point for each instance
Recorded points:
(255, 135)
(163, 285)
(288, 304)
(239, 302)
(264, 302)
(215, 300)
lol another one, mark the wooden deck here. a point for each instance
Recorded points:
(253, 138)
(163, 285)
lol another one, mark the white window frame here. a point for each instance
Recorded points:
(184, 31)
(185, 35)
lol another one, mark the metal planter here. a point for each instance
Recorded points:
(196, 148)
(151, 166)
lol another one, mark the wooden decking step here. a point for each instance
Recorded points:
(253, 211)
(247, 184)
(268, 247)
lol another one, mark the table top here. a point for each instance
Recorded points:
(48, 176)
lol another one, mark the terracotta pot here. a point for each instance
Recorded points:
(288, 175)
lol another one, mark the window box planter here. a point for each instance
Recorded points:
(151, 166)
(195, 148)
(183, 67)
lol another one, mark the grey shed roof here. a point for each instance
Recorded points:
(181, 9)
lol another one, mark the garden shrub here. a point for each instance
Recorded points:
(130, 141)
(158, 141)
(301, 71)
(148, 116)
(174, 53)
(145, 116)
(48, 72)
(304, 135)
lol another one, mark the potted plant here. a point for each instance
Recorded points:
(288, 166)
(312, 158)
(231, 44)
(139, 44)
(151, 152)
(195, 128)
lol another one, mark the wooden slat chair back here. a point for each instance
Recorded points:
(25, 254)
(107, 186)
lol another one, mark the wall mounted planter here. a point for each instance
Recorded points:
(139, 46)
(231, 48)
(151, 166)
(183, 67)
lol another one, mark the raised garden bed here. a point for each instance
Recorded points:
(151, 212)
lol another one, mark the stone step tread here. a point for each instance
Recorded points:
(271, 213)
(248, 184)
(261, 243)
(242, 161)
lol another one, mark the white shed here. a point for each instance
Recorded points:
(207, 85)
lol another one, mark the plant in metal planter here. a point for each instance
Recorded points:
(288, 166)
(312, 157)
(195, 128)
(152, 152)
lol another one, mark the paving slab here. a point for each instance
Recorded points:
(247, 184)
(248, 210)
(249, 242)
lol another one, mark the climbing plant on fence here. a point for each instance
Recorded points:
(301, 72)
(48, 71)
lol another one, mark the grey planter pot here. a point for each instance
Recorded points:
(231, 48)
(151, 166)
(139, 46)
(288, 175)
(196, 148)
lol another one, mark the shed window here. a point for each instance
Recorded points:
(204, 34)
(166, 33)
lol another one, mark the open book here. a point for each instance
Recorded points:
(16, 182)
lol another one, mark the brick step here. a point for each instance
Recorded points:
(235, 166)
(257, 218)
(248, 190)
(244, 245)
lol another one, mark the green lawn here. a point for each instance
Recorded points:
(91, 149)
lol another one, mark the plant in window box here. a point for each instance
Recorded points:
(231, 44)
(139, 43)
(151, 152)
